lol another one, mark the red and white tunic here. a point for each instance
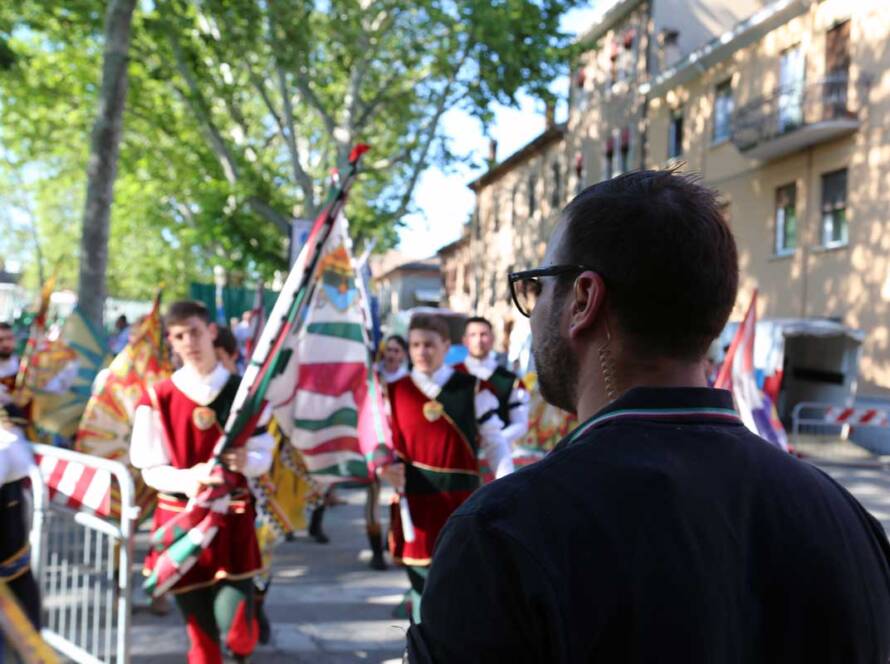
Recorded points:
(439, 423)
(177, 424)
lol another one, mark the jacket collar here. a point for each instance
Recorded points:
(690, 405)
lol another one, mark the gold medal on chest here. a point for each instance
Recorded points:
(203, 417)
(432, 410)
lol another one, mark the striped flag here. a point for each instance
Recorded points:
(322, 411)
(736, 374)
(107, 421)
(270, 378)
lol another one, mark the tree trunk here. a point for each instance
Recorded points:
(102, 166)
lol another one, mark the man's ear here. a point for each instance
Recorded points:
(214, 330)
(588, 298)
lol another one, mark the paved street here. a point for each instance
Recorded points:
(871, 486)
(326, 605)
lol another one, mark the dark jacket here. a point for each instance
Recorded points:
(664, 532)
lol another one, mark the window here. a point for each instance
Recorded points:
(514, 197)
(465, 272)
(624, 152)
(496, 210)
(723, 107)
(613, 63)
(675, 134)
(579, 173)
(477, 222)
(837, 71)
(532, 202)
(834, 209)
(556, 190)
(791, 82)
(786, 219)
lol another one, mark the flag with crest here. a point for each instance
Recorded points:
(107, 421)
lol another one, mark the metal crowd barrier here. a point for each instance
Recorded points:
(82, 561)
(827, 432)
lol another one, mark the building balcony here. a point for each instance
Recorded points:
(793, 118)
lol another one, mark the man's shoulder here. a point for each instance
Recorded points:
(505, 498)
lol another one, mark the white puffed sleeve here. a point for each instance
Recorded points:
(518, 415)
(16, 458)
(260, 447)
(148, 454)
(494, 445)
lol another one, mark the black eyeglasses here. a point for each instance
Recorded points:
(525, 286)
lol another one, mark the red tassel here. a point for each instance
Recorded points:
(358, 151)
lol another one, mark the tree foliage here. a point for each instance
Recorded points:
(237, 112)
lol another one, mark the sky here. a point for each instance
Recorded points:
(443, 200)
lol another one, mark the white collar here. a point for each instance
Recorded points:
(432, 385)
(9, 367)
(391, 377)
(482, 368)
(200, 389)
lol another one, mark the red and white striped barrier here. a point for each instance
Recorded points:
(858, 417)
(78, 486)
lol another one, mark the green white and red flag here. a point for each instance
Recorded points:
(270, 378)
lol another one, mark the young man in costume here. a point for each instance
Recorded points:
(177, 424)
(440, 420)
(16, 461)
(504, 384)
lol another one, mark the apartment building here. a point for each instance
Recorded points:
(518, 199)
(786, 115)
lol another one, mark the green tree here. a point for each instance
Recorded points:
(237, 111)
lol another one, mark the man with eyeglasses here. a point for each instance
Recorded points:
(661, 529)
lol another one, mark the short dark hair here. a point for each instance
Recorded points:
(226, 340)
(477, 319)
(181, 311)
(5, 326)
(666, 254)
(430, 323)
(399, 339)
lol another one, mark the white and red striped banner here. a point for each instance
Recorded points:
(860, 417)
(78, 486)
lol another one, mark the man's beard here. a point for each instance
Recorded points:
(556, 367)
(4, 355)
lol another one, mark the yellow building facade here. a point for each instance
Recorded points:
(787, 116)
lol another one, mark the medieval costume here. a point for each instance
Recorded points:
(177, 424)
(439, 424)
(15, 552)
(511, 395)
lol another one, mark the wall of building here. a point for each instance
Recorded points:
(510, 235)
(850, 283)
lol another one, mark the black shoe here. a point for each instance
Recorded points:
(315, 529)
